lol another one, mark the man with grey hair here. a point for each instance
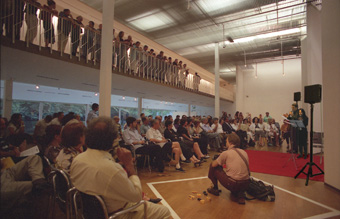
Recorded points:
(211, 133)
(95, 172)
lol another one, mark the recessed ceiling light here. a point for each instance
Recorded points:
(37, 87)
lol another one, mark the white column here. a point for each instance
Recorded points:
(189, 109)
(105, 77)
(239, 89)
(311, 62)
(217, 81)
(330, 33)
(8, 98)
(140, 105)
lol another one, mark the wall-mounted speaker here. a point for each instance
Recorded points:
(313, 93)
(297, 96)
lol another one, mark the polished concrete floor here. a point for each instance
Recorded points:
(293, 198)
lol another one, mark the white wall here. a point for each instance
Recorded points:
(271, 91)
(331, 89)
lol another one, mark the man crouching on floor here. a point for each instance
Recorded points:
(236, 176)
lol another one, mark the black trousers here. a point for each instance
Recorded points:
(155, 153)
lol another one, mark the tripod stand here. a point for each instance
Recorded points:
(310, 164)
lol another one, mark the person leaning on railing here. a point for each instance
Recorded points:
(75, 34)
(64, 28)
(46, 15)
(32, 7)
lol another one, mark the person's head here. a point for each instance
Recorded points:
(267, 114)
(270, 121)
(273, 121)
(158, 118)
(196, 123)
(60, 116)
(205, 120)
(95, 107)
(183, 122)
(151, 51)
(79, 19)
(121, 34)
(215, 120)
(150, 117)
(185, 65)
(161, 53)
(116, 119)
(154, 123)
(51, 4)
(255, 120)
(2, 125)
(145, 120)
(48, 118)
(177, 121)
(145, 48)
(294, 107)
(73, 135)
(260, 120)
(91, 24)
(189, 120)
(100, 133)
(131, 122)
(16, 119)
(53, 134)
(233, 141)
(67, 118)
(168, 124)
(142, 115)
(67, 12)
(137, 44)
(221, 120)
(100, 26)
(235, 121)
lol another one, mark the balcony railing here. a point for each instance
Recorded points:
(41, 26)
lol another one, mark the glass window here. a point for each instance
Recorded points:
(50, 108)
(157, 112)
(123, 113)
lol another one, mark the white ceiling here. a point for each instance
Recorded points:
(260, 28)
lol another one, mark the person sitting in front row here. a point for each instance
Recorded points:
(156, 137)
(236, 176)
(132, 137)
(95, 172)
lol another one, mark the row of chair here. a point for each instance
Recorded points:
(76, 204)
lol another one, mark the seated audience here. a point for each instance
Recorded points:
(156, 137)
(52, 142)
(257, 129)
(272, 132)
(203, 139)
(132, 137)
(122, 186)
(145, 126)
(217, 127)
(15, 125)
(211, 134)
(169, 133)
(267, 117)
(72, 140)
(236, 176)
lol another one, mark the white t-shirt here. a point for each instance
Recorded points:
(155, 134)
(235, 166)
(219, 129)
(41, 127)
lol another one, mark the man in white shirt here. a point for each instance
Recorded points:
(211, 133)
(57, 121)
(93, 113)
(156, 137)
(40, 127)
(132, 137)
(95, 172)
(236, 176)
(217, 127)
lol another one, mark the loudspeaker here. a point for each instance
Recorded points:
(313, 93)
(297, 96)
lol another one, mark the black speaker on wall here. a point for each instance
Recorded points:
(313, 94)
(297, 96)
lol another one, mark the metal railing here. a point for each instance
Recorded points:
(41, 26)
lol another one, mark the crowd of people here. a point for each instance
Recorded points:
(128, 56)
(88, 152)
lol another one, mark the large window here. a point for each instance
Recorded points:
(29, 111)
(50, 108)
(123, 113)
(157, 112)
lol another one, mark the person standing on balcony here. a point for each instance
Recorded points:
(46, 15)
(87, 40)
(75, 34)
(31, 19)
(64, 28)
(98, 42)
(175, 72)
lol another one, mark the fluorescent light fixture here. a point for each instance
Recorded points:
(151, 21)
(211, 6)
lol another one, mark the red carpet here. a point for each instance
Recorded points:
(274, 163)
